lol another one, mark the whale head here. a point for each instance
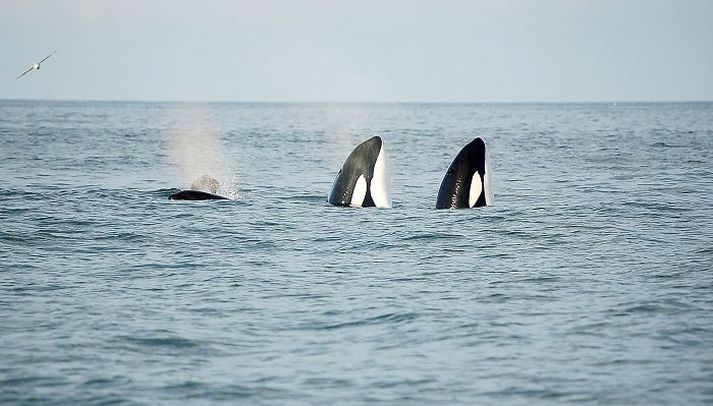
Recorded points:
(466, 184)
(363, 180)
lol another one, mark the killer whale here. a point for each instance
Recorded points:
(362, 181)
(466, 183)
(203, 188)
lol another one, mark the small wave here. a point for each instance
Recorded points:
(656, 206)
(166, 342)
(14, 192)
(121, 236)
(430, 236)
(644, 308)
(665, 145)
(230, 392)
(306, 198)
(540, 279)
(100, 382)
(21, 195)
(662, 305)
(381, 319)
(25, 380)
(524, 392)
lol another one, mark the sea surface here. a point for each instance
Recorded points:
(589, 281)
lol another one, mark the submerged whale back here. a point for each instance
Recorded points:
(203, 188)
(195, 195)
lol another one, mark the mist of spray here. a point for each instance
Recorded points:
(197, 151)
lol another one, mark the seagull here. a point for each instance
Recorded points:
(35, 66)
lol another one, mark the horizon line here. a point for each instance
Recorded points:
(356, 102)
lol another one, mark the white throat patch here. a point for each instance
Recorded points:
(380, 181)
(476, 188)
(487, 183)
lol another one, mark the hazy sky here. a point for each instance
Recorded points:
(380, 50)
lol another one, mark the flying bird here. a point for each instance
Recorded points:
(36, 65)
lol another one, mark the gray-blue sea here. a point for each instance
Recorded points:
(588, 281)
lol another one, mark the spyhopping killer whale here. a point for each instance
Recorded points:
(203, 188)
(467, 181)
(362, 181)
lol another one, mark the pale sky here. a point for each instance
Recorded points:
(359, 51)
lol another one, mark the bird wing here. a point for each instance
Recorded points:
(45, 58)
(25, 72)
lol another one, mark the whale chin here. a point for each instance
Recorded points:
(363, 179)
(466, 183)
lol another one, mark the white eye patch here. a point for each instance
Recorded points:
(476, 188)
(359, 192)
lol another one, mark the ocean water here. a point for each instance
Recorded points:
(589, 281)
